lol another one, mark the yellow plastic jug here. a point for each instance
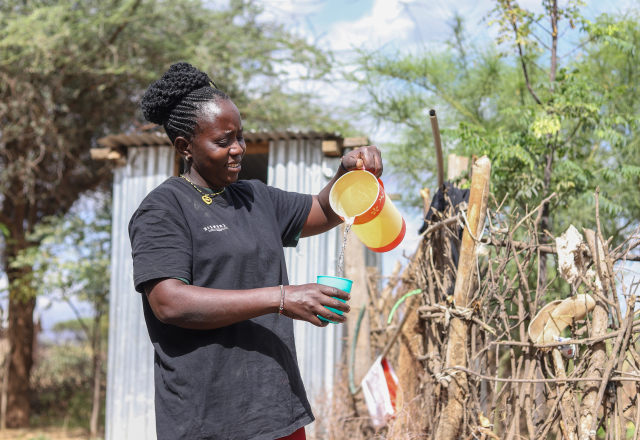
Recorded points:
(378, 223)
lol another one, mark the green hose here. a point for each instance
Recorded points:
(397, 304)
(352, 357)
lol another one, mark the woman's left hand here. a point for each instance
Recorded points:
(367, 158)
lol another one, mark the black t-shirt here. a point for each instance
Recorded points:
(241, 381)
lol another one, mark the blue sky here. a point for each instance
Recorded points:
(342, 24)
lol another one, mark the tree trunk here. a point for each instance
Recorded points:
(554, 43)
(545, 218)
(543, 224)
(22, 302)
(451, 416)
(97, 369)
(21, 334)
(3, 397)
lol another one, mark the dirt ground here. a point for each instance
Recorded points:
(44, 434)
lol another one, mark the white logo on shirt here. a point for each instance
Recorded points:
(215, 228)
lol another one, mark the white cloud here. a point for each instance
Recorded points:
(291, 7)
(386, 22)
(291, 13)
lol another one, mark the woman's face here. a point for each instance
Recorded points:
(217, 146)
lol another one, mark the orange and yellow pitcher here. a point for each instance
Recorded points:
(378, 223)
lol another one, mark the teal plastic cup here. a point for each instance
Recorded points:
(338, 283)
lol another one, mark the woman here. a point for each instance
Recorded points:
(208, 257)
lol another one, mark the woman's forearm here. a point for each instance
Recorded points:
(200, 308)
(177, 303)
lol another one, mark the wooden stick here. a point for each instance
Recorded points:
(566, 404)
(553, 413)
(599, 327)
(451, 415)
(556, 380)
(535, 210)
(438, 143)
(518, 245)
(442, 224)
(621, 358)
(549, 249)
(425, 193)
(607, 373)
(586, 341)
(637, 421)
(607, 259)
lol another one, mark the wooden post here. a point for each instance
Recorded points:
(568, 414)
(456, 166)
(425, 193)
(438, 144)
(451, 417)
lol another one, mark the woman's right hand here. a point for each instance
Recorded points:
(307, 301)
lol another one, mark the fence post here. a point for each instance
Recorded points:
(451, 416)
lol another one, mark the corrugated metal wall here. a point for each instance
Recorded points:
(130, 390)
(296, 165)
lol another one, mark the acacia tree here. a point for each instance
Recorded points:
(71, 261)
(71, 72)
(550, 121)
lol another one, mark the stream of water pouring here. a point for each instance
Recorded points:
(347, 227)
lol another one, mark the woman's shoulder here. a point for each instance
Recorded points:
(164, 197)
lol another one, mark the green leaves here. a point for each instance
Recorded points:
(72, 72)
(630, 172)
(69, 256)
(545, 125)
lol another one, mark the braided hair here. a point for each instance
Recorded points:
(176, 99)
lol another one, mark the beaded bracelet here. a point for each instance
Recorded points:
(281, 300)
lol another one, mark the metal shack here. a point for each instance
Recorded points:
(293, 161)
